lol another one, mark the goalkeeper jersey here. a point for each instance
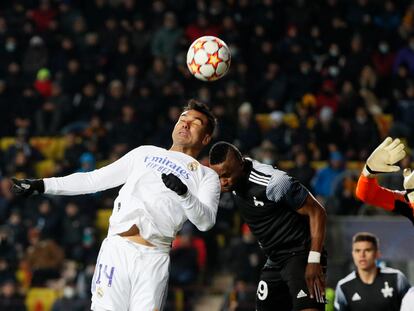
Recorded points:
(144, 200)
(369, 191)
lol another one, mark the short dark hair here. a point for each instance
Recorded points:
(366, 237)
(204, 109)
(220, 150)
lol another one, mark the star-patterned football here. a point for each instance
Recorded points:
(208, 58)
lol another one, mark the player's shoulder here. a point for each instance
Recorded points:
(349, 278)
(266, 174)
(388, 270)
(146, 148)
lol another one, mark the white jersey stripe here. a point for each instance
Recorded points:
(259, 182)
(265, 178)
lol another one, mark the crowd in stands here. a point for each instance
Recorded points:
(313, 87)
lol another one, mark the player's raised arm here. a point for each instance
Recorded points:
(110, 176)
(383, 160)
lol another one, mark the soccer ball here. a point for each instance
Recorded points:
(208, 58)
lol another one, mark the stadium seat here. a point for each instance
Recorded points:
(41, 299)
(45, 168)
(102, 222)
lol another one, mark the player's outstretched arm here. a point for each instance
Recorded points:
(407, 208)
(27, 187)
(314, 275)
(384, 158)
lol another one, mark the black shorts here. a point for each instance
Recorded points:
(282, 285)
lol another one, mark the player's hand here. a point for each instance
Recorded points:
(315, 280)
(26, 187)
(174, 183)
(383, 158)
(409, 184)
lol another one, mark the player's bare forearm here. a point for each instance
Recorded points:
(317, 222)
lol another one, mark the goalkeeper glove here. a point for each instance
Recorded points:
(409, 185)
(383, 158)
(174, 183)
(407, 209)
(27, 187)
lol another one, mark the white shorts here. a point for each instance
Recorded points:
(129, 276)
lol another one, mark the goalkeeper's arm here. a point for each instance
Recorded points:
(369, 191)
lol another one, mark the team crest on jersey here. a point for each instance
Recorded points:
(387, 290)
(100, 292)
(257, 202)
(193, 166)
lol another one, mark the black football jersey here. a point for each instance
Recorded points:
(384, 294)
(268, 200)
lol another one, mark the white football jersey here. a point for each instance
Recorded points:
(144, 200)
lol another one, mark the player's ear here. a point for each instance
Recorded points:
(206, 139)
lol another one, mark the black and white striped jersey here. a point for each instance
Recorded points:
(384, 294)
(268, 200)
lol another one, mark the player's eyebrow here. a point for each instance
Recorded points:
(184, 114)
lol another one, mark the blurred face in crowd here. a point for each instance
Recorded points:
(364, 254)
(230, 172)
(191, 130)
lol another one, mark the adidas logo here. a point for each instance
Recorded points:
(356, 297)
(301, 294)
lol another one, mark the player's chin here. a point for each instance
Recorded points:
(226, 189)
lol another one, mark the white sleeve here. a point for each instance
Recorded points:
(340, 303)
(110, 176)
(201, 208)
(408, 300)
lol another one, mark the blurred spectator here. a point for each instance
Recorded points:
(302, 170)
(47, 220)
(246, 257)
(87, 162)
(45, 258)
(35, 57)
(127, 130)
(322, 182)
(201, 27)
(248, 133)
(72, 153)
(70, 301)
(165, 41)
(188, 256)
(278, 133)
(241, 297)
(10, 299)
(364, 127)
(328, 133)
(43, 84)
(74, 225)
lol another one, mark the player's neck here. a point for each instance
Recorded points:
(368, 276)
(191, 151)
